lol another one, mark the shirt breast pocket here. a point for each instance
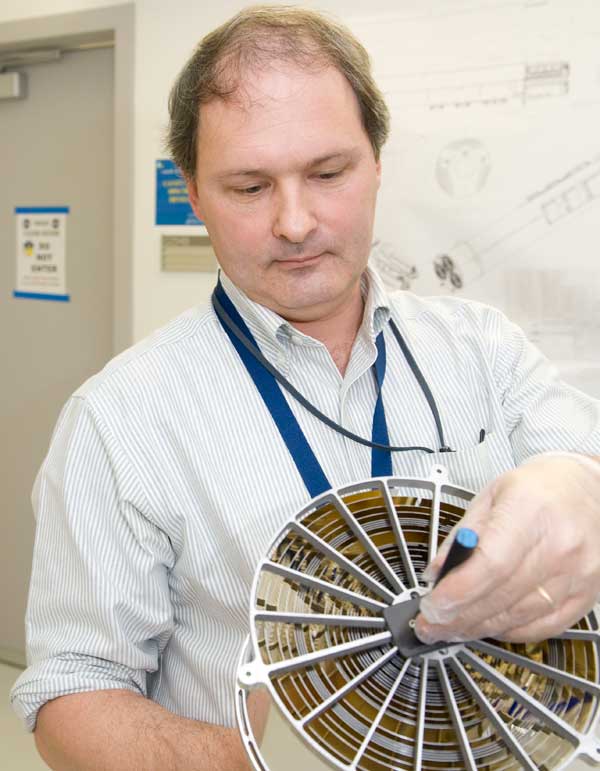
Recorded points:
(474, 466)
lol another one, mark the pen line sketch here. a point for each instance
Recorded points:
(425, 10)
(560, 311)
(484, 85)
(532, 220)
(492, 171)
(395, 272)
(463, 167)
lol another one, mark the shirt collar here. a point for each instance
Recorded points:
(270, 329)
(377, 306)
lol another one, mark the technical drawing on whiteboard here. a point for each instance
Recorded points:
(519, 82)
(463, 167)
(535, 218)
(559, 309)
(395, 271)
(426, 10)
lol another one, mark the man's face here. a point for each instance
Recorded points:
(286, 182)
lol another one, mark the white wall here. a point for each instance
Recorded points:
(162, 49)
(538, 141)
(17, 10)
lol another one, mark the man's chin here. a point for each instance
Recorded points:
(313, 288)
(310, 304)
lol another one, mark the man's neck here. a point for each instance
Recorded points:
(337, 331)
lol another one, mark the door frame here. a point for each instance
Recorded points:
(120, 21)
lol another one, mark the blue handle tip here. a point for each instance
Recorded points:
(467, 538)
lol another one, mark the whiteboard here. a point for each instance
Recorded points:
(491, 176)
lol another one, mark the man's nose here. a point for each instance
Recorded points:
(294, 217)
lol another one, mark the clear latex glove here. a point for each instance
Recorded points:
(538, 526)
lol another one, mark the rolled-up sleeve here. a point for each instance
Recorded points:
(99, 613)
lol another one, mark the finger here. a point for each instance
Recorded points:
(509, 534)
(501, 570)
(550, 625)
(533, 607)
(544, 619)
(512, 603)
(475, 513)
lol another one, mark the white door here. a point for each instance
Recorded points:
(55, 150)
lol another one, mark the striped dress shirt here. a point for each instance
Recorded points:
(167, 479)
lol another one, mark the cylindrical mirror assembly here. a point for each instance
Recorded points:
(358, 692)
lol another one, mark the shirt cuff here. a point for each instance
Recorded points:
(60, 676)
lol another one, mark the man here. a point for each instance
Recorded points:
(168, 475)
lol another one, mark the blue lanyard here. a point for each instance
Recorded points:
(268, 380)
(381, 460)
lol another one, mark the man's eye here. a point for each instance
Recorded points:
(329, 174)
(249, 191)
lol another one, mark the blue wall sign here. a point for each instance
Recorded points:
(172, 203)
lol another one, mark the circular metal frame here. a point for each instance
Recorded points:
(319, 643)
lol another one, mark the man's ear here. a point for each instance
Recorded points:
(378, 171)
(193, 196)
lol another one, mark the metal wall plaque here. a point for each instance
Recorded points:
(187, 254)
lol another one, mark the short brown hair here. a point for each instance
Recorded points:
(257, 36)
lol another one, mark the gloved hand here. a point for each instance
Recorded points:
(536, 569)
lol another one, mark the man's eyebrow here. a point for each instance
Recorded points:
(257, 172)
(340, 154)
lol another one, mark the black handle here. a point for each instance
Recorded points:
(462, 547)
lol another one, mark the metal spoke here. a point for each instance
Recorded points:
(336, 556)
(434, 524)
(535, 666)
(592, 635)
(489, 711)
(539, 710)
(461, 734)
(399, 536)
(350, 686)
(377, 722)
(325, 619)
(366, 541)
(323, 586)
(421, 715)
(315, 657)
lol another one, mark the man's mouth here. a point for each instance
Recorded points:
(297, 262)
